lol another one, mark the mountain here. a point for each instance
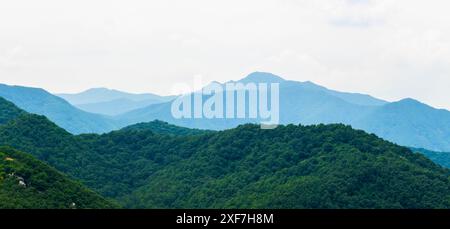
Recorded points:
(304, 103)
(410, 123)
(8, 111)
(112, 164)
(98, 95)
(406, 122)
(354, 98)
(28, 183)
(115, 107)
(112, 102)
(39, 101)
(318, 166)
(160, 127)
(441, 158)
(325, 166)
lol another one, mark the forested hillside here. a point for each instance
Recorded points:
(8, 111)
(406, 122)
(113, 164)
(28, 183)
(324, 166)
(160, 127)
(38, 101)
(319, 166)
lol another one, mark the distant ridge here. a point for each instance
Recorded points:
(97, 95)
(293, 166)
(112, 102)
(158, 165)
(39, 101)
(407, 122)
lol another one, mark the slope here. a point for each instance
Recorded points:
(8, 111)
(112, 102)
(440, 158)
(28, 183)
(98, 95)
(407, 122)
(411, 123)
(38, 101)
(160, 127)
(324, 166)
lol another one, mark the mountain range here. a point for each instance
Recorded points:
(39, 101)
(158, 165)
(112, 102)
(406, 122)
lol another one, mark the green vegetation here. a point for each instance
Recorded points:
(8, 111)
(323, 166)
(39, 101)
(113, 164)
(158, 165)
(28, 183)
(161, 127)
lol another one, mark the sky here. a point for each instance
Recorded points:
(389, 49)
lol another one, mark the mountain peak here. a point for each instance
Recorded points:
(262, 77)
(409, 104)
(410, 101)
(98, 90)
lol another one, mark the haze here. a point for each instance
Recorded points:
(389, 49)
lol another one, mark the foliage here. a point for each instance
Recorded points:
(161, 127)
(28, 183)
(324, 166)
(72, 119)
(318, 166)
(8, 111)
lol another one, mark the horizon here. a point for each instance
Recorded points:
(387, 49)
(207, 83)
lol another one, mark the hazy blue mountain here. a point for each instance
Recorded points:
(117, 106)
(303, 102)
(354, 98)
(411, 123)
(441, 158)
(300, 102)
(112, 102)
(39, 101)
(407, 122)
(246, 167)
(97, 95)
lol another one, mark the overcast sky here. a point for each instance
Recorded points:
(386, 48)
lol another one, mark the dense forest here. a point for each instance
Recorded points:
(324, 166)
(318, 166)
(161, 127)
(8, 111)
(28, 183)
